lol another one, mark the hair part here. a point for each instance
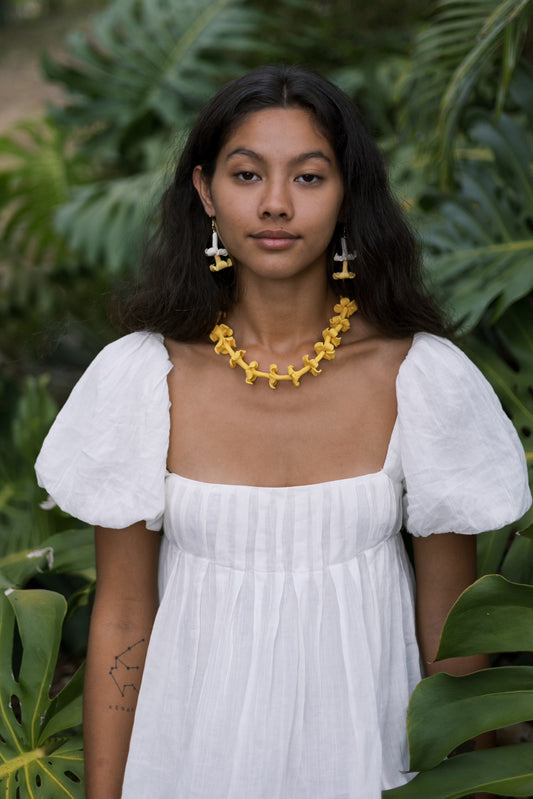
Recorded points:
(181, 299)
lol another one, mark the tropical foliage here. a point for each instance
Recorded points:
(41, 751)
(454, 58)
(494, 615)
(453, 112)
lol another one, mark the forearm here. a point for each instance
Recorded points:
(115, 662)
(429, 645)
(446, 565)
(121, 624)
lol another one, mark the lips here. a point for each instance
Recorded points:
(274, 234)
(275, 239)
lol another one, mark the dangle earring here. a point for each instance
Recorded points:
(216, 251)
(344, 256)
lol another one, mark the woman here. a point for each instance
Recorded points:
(283, 651)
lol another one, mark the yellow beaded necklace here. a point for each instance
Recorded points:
(225, 345)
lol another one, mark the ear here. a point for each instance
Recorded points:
(201, 184)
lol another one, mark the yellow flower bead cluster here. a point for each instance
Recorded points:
(222, 334)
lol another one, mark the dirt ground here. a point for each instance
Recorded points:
(24, 91)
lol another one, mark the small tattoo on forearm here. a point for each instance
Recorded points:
(125, 673)
(122, 708)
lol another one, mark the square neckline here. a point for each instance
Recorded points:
(357, 477)
(298, 486)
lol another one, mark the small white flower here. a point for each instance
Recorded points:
(48, 503)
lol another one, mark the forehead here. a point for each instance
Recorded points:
(278, 132)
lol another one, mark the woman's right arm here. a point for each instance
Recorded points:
(124, 610)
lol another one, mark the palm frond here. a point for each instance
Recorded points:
(480, 245)
(462, 43)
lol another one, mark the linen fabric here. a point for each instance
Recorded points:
(284, 652)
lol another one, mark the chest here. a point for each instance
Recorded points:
(332, 427)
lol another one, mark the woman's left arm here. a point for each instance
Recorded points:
(445, 564)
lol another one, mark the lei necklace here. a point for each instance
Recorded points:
(225, 345)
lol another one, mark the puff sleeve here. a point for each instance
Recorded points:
(104, 459)
(463, 464)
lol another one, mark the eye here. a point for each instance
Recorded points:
(309, 178)
(247, 177)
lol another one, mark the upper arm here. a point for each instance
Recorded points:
(445, 565)
(126, 566)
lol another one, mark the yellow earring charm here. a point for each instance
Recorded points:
(215, 251)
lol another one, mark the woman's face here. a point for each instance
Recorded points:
(276, 193)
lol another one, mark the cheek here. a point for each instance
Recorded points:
(328, 216)
(230, 226)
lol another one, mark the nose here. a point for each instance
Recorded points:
(276, 200)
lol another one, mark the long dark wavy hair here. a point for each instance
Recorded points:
(180, 298)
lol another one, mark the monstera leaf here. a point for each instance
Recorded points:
(105, 222)
(147, 65)
(68, 552)
(40, 750)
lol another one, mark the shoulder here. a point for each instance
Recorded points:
(436, 366)
(369, 348)
(439, 388)
(428, 351)
(130, 365)
(133, 349)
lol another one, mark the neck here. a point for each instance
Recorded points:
(281, 316)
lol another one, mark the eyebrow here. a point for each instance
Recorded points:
(299, 159)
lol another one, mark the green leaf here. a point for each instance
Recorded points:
(19, 567)
(149, 65)
(34, 414)
(479, 247)
(66, 708)
(460, 45)
(105, 222)
(35, 180)
(491, 548)
(446, 711)
(503, 30)
(71, 552)
(518, 563)
(528, 532)
(506, 770)
(27, 756)
(506, 360)
(493, 615)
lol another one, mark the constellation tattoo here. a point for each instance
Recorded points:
(121, 672)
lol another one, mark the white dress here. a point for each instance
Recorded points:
(284, 653)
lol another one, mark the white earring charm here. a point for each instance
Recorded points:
(344, 256)
(218, 253)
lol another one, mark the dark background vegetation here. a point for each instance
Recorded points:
(95, 100)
